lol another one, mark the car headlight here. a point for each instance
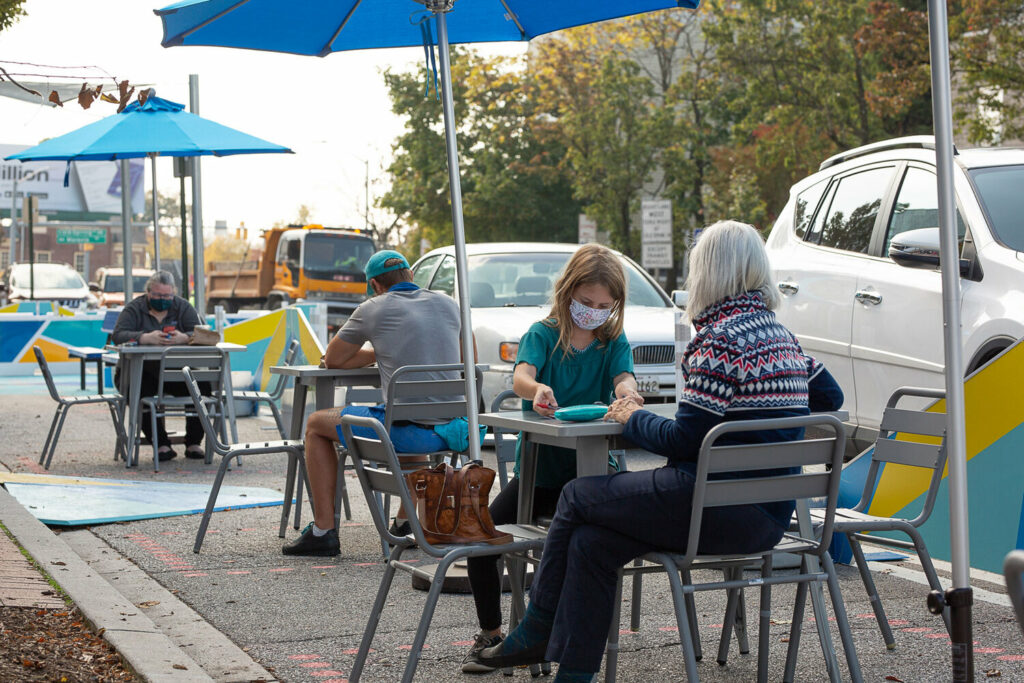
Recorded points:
(507, 351)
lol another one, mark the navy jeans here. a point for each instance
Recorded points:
(603, 522)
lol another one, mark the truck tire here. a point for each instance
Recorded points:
(274, 302)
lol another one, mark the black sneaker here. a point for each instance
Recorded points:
(495, 656)
(472, 664)
(165, 455)
(400, 530)
(195, 452)
(317, 546)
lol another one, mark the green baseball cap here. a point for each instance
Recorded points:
(375, 266)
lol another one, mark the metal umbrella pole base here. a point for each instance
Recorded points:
(959, 601)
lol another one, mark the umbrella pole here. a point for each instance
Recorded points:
(156, 226)
(184, 241)
(960, 596)
(454, 181)
(126, 229)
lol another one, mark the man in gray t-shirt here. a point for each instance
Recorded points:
(405, 325)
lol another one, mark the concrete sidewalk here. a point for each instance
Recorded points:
(241, 611)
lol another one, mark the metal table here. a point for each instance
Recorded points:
(89, 354)
(132, 359)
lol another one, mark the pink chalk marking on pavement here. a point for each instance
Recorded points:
(303, 656)
(988, 650)
(918, 629)
(195, 574)
(668, 628)
(366, 564)
(1011, 658)
(457, 643)
(239, 573)
(323, 566)
(936, 636)
(325, 673)
(409, 647)
(898, 622)
(315, 665)
(282, 569)
(867, 615)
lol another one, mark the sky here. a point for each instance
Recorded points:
(334, 112)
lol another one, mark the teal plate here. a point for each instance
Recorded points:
(581, 413)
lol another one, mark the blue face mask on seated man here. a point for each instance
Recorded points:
(160, 304)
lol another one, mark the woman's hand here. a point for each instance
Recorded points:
(544, 402)
(621, 410)
(628, 393)
(176, 338)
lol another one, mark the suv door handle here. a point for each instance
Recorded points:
(787, 287)
(866, 296)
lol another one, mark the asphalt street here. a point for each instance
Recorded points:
(240, 607)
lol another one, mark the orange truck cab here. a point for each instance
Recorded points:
(309, 263)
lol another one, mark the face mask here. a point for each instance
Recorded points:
(586, 317)
(160, 304)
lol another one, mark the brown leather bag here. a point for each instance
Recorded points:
(452, 504)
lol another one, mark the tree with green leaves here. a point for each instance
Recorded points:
(989, 69)
(513, 185)
(10, 12)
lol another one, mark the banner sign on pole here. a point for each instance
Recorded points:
(80, 236)
(656, 223)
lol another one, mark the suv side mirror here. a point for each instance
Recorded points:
(920, 249)
(680, 297)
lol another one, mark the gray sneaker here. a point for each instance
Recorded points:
(472, 664)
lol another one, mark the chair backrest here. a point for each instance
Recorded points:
(815, 482)
(110, 321)
(416, 394)
(192, 384)
(914, 438)
(44, 367)
(1013, 570)
(481, 295)
(504, 440)
(206, 363)
(380, 474)
(282, 380)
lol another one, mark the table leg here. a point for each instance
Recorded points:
(803, 518)
(81, 367)
(298, 411)
(134, 369)
(99, 376)
(229, 393)
(527, 481)
(591, 456)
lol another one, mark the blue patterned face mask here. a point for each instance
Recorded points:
(160, 304)
(586, 317)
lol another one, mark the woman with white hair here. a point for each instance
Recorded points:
(741, 364)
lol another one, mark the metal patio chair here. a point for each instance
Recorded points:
(504, 440)
(380, 474)
(273, 397)
(114, 402)
(207, 364)
(911, 438)
(294, 449)
(812, 547)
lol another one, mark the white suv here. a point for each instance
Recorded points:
(855, 256)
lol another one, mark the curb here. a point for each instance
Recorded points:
(143, 646)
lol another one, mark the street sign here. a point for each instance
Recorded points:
(656, 220)
(587, 230)
(657, 255)
(656, 224)
(81, 236)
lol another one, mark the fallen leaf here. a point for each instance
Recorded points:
(993, 673)
(893, 678)
(59, 564)
(182, 667)
(55, 98)
(148, 603)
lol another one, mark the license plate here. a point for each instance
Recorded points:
(648, 385)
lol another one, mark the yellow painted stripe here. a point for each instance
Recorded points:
(252, 330)
(54, 352)
(988, 397)
(272, 356)
(26, 478)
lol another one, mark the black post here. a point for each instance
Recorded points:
(959, 601)
(31, 248)
(184, 241)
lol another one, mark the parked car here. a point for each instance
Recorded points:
(855, 254)
(510, 286)
(56, 282)
(109, 285)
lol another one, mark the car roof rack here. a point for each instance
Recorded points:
(908, 142)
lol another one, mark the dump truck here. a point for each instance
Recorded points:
(299, 263)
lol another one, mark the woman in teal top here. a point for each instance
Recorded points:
(577, 355)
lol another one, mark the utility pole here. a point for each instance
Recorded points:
(366, 199)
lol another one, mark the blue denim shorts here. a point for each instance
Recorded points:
(406, 438)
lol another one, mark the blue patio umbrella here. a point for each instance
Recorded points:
(312, 27)
(157, 127)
